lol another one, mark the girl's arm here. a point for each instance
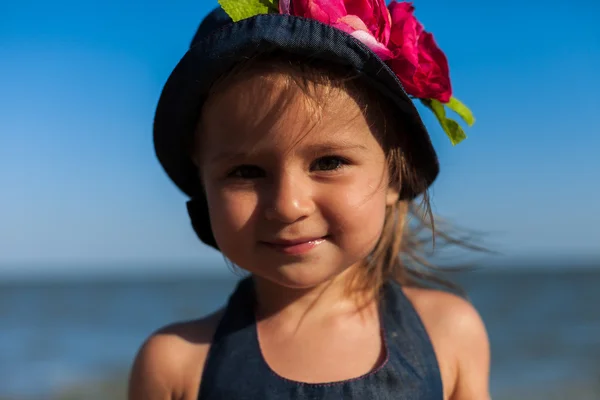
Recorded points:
(460, 341)
(154, 372)
(473, 357)
(169, 364)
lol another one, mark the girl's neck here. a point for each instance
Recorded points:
(329, 299)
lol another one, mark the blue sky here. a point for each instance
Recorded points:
(80, 185)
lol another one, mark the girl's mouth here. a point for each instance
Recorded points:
(295, 246)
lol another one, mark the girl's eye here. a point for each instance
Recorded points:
(246, 172)
(329, 163)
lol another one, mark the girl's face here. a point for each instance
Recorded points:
(296, 192)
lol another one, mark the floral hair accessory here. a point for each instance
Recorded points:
(392, 33)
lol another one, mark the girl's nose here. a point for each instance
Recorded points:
(289, 199)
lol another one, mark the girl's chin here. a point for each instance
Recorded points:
(299, 277)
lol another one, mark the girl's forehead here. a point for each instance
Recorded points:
(273, 110)
(259, 96)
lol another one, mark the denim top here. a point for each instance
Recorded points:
(235, 368)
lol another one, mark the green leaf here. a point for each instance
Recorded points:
(242, 9)
(462, 110)
(453, 130)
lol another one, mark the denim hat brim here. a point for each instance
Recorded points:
(220, 44)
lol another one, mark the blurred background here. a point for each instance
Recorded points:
(96, 250)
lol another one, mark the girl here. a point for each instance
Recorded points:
(302, 153)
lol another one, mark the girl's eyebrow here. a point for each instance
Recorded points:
(227, 156)
(332, 147)
(310, 149)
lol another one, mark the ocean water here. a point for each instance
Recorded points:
(544, 329)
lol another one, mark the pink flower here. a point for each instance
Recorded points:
(417, 60)
(367, 20)
(393, 33)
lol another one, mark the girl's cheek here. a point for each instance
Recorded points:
(362, 195)
(363, 203)
(232, 210)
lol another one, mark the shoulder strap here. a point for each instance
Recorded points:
(409, 345)
(232, 345)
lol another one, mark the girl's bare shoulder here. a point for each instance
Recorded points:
(443, 310)
(459, 338)
(170, 362)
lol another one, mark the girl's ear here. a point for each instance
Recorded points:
(392, 196)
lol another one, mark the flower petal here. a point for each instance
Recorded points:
(378, 48)
(434, 73)
(405, 32)
(374, 14)
(284, 6)
(405, 71)
(325, 11)
(386, 23)
(351, 23)
(363, 9)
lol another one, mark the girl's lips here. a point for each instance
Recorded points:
(295, 247)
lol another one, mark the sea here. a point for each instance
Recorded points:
(76, 338)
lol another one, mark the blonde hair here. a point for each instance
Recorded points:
(410, 232)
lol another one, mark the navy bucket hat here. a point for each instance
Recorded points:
(219, 44)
